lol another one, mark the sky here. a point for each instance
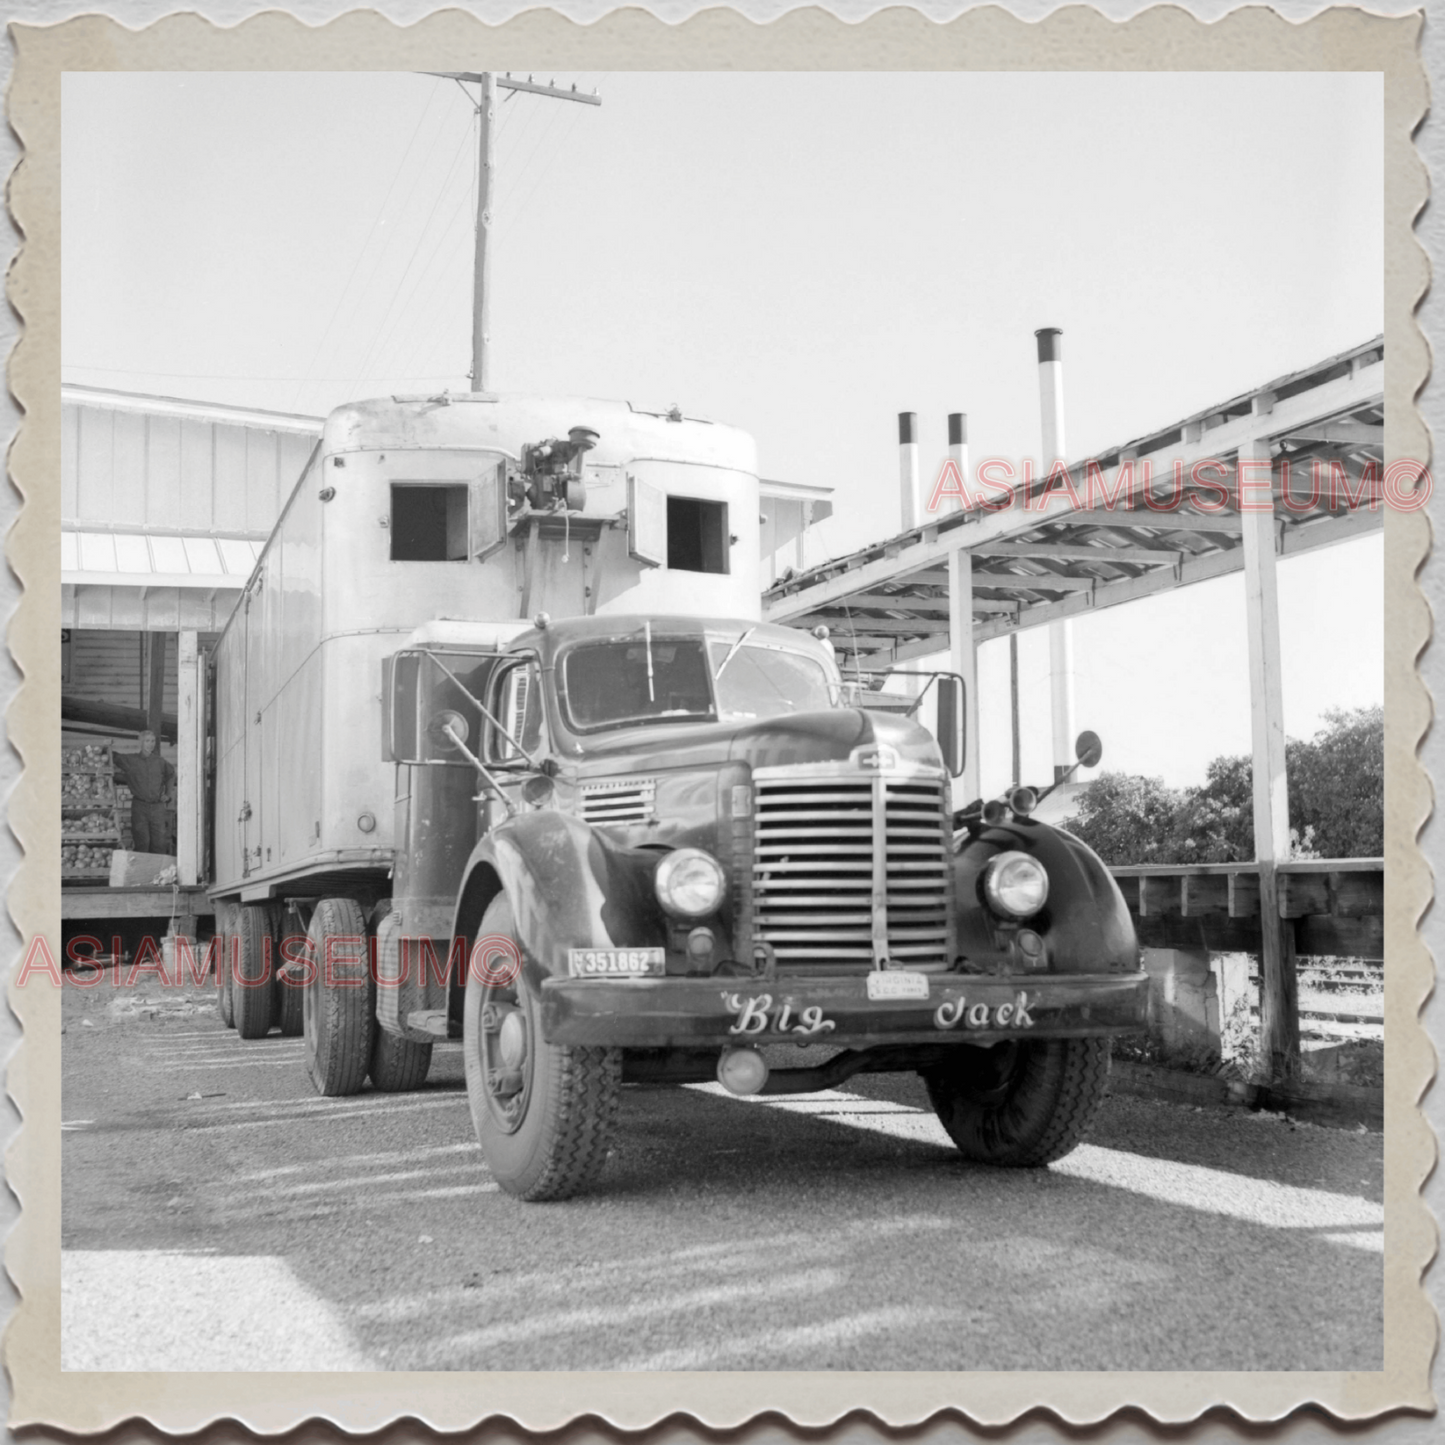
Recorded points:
(802, 255)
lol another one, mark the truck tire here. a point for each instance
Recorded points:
(290, 1006)
(339, 1007)
(253, 990)
(225, 931)
(1023, 1103)
(543, 1112)
(398, 1065)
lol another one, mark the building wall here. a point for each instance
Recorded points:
(132, 469)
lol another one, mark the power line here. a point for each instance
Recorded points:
(385, 315)
(341, 296)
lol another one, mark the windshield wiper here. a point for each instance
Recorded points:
(732, 651)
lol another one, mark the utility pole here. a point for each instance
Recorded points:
(486, 161)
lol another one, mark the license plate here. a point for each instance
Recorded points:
(897, 983)
(616, 962)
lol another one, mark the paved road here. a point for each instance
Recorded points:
(219, 1215)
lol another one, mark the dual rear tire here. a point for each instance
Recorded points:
(253, 986)
(344, 1043)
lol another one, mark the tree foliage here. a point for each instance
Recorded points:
(1336, 803)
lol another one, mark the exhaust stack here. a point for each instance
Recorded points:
(908, 486)
(958, 455)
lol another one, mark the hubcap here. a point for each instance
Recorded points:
(504, 1046)
(512, 1040)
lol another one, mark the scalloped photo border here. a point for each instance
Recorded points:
(990, 39)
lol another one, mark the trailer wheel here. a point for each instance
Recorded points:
(225, 932)
(543, 1112)
(1023, 1103)
(338, 1005)
(253, 989)
(398, 1065)
(290, 1006)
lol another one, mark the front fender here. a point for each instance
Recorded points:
(569, 887)
(1085, 925)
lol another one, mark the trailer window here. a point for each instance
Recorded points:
(697, 535)
(428, 523)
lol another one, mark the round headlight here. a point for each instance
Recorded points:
(690, 883)
(1016, 884)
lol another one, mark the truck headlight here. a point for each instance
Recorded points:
(1015, 884)
(690, 883)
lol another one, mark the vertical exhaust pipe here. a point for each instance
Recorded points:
(1051, 393)
(909, 497)
(1061, 632)
(958, 455)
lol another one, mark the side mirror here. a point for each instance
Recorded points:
(1088, 749)
(418, 702)
(952, 726)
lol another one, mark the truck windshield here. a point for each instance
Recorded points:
(761, 681)
(612, 684)
(622, 683)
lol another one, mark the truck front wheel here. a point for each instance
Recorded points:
(543, 1112)
(338, 1001)
(1022, 1103)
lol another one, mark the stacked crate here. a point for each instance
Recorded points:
(90, 828)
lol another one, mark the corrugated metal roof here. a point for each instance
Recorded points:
(90, 558)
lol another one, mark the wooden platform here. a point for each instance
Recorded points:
(1336, 905)
(102, 903)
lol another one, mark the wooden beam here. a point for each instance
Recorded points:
(1225, 523)
(1302, 893)
(1278, 1003)
(1243, 895)
(1351, 433)
(1058, 552)
(897, 600)
(155, 681)
(1158, 896)
(1313, 936)
(886, 627)
(1201, 895)
(1046, 582)
(113, 715)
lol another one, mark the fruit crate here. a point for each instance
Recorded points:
(90, 828)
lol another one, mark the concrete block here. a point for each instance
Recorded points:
(1183, 1005)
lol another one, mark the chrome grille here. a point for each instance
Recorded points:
(815, 869)
(622, 802)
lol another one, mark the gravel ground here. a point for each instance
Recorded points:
(218, 1214)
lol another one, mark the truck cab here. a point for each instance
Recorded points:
(691, 846)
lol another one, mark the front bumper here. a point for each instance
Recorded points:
(964, 1008)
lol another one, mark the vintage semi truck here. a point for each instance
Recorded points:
(500, 752)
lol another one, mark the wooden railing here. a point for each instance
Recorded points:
(1327, 906)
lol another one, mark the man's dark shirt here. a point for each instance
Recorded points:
(147, 776)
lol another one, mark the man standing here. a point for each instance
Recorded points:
(149, 777)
